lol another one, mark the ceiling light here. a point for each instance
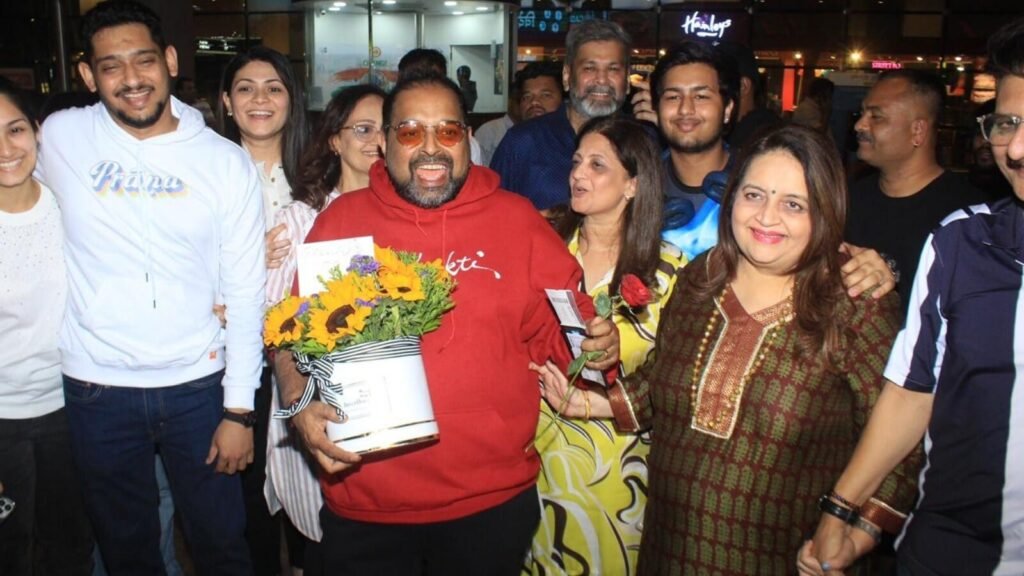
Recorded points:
(855, 56)
(661, 52)
(958, 58)
(798, 55)
(340, 4)
(528, 51)
(482, 8)
(920, 58)
(335, 8)
(389, 2)
(959, 68)
(450, 3)
(458, 13)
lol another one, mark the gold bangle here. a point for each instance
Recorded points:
(586, 405)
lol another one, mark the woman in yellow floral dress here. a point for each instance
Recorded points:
(593, 480)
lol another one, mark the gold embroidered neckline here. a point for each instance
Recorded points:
(716, 388)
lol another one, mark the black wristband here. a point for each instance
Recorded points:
(247, 419)
(828, 506)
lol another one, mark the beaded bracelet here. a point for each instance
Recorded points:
(834, 496)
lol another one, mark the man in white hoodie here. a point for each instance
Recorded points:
(163, 219)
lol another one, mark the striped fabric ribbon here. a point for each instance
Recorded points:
(320, 370)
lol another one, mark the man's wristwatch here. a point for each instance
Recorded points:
(248, 419)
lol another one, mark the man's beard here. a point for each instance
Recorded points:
(433, 197)
(134, 122)
(585, 107)
(698, 146)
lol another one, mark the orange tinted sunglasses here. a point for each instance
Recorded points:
(412, 133)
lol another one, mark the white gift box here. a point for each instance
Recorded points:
(381, 391)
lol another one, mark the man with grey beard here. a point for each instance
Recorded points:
(535, 157)
(465, 503)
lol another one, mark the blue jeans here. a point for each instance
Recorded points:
(115, 432)
(167, 548)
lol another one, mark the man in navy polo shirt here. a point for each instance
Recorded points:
(953, 379)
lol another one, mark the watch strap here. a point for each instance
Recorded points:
(247, 419)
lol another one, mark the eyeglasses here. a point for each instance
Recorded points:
(411, 133)
(999, 129)
(363, 132)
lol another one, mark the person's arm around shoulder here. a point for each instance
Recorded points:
(867, 270)
(242, 283)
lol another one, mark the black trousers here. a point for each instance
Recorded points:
(493, 542)
(48, 532)
(263, 531)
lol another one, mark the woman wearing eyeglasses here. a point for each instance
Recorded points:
(347, 141)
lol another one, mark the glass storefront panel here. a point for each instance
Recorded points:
(346, 48)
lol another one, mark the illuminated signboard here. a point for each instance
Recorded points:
(553, 21)
(705, 25)
(885, 65)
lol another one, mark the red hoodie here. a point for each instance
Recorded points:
(503, 255)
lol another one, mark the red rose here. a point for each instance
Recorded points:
(633, 291)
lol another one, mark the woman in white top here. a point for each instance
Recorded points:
(262, 108)
(47, 531)
(347, 141)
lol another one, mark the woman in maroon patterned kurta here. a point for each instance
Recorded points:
(763, 374)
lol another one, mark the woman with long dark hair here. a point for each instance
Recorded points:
(593, 483)
(262, 107)
(763, 374)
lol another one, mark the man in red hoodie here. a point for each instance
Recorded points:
(465, 504)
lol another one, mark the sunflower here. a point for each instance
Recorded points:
(406, 285)
(282, 324)
(398, 280)
(342, 312)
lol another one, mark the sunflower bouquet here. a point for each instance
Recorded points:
(358, 340)
(389, 295)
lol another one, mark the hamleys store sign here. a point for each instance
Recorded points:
(705, 25)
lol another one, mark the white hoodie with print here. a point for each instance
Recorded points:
(156, 232)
